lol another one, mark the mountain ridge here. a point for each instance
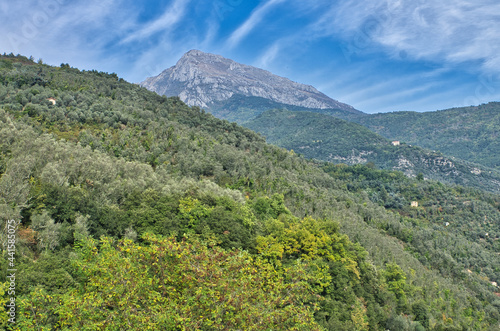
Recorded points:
(469, 133)
(200, 79)
(242, 93)
(326, 138)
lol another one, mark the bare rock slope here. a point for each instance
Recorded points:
(201, 79)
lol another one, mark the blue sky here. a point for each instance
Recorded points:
(377, 55)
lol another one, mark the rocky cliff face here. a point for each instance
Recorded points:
(200, 79)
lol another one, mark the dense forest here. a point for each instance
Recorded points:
(240, 109)
(326, 138)
(469, 133)
(135, 211)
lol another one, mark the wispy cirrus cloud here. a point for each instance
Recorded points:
(92, 34)
(449, 30)
(268, 55)
(53, 29)
(173, 15)
(352, 50)
(255, 18)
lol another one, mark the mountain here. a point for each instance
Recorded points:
(326, 138)
(240, 93)
(208, 80)
(469, 133)
(134, 211)
(243, 94)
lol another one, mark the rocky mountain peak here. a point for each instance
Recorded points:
(200, 79)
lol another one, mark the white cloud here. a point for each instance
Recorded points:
(169, 19)
(268, 56)
(59, 30)
(449, 30)
(255, 18)
(97, 34)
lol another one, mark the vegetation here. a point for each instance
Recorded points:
(469, 133)
(466, 221)
(138, 212)
(240, 109)
(172, 285)
(331, 139)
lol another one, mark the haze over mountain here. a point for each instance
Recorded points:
(203, 79)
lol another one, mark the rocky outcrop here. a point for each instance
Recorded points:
(200, 79)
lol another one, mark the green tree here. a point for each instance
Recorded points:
(396, 281)
(171, 285)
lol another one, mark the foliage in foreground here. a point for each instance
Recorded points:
(167, 284)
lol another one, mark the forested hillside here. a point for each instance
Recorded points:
(326, 138)
(469, 133)
(240, 109)
(138, 212)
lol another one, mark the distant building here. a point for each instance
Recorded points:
(476, 171)
(414, 203)
(396, 143)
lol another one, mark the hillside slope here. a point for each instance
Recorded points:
(192, 210)
(240, 109)
(326, 138)
(469, 133)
